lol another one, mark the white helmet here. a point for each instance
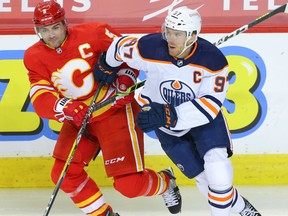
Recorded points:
(184, 19)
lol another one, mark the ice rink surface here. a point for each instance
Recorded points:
(269, 200)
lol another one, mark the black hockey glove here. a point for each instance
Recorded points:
(104, 73)
(156, 115)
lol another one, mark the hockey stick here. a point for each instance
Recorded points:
(73, 149)
(281, 9)
(119, 94)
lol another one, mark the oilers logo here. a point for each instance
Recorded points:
(176, 92)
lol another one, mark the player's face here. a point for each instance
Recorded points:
(176, 41)
(53, 35)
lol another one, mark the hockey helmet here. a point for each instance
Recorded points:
(184, 19)
(48, 13)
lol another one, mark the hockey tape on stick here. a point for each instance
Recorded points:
(281, 9)
(73, 149)
(119, 94)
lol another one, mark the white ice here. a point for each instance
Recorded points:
(269, 200)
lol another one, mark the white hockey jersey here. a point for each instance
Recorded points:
(195, 85)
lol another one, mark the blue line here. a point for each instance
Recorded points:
(11, 54)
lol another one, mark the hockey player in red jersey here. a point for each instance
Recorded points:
(60, 69)
(182, 98)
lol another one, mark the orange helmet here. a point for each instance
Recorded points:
(47, 13)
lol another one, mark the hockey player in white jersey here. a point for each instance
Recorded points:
(187, 81)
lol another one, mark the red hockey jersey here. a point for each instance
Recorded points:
(68, 70)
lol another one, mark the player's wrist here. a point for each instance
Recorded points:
(106, 65)
(60, 104)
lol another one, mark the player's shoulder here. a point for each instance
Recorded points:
(88, 25)
(209, 55)
(93, 29)
(152, 46)
(88, 28)
(34, 50)
(151, 38)
(208, 48)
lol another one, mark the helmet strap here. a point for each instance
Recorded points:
(187, 46)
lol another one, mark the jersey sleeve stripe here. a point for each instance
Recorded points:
(202, 110)
(40, 92)
(119, 44)
(209, 105)
(215, 100)
(142, 100)
(39, 89)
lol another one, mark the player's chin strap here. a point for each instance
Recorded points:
(187, 46)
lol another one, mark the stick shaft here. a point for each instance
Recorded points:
(114, 98)
(73, 149)
(281, 9)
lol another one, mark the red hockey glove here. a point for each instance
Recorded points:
(125, 79)
(71, 110)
